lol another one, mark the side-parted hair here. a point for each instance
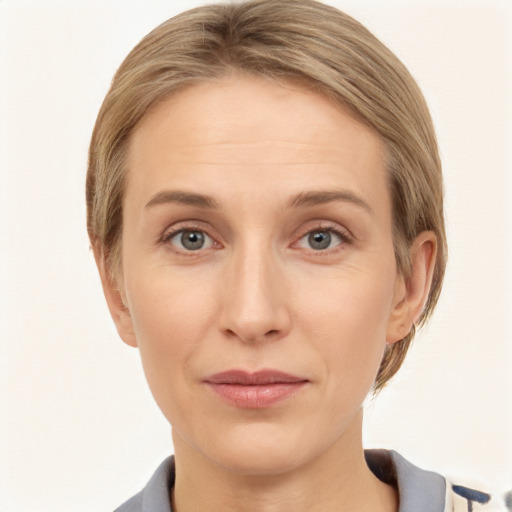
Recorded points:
(285, 40)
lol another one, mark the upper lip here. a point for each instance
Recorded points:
(260, 377)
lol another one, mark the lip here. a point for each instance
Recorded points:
(255, 390)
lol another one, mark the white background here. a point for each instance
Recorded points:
(79, 430)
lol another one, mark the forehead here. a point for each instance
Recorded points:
(246, 131)
(241, 107)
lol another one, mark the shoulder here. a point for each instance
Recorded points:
(427, 491)
(155, 497)
(134, 504)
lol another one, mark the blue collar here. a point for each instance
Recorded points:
(419, 490)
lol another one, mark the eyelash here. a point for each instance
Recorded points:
(344, 237)
(169, 235)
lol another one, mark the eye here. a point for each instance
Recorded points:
(190, 240)
(321, 239)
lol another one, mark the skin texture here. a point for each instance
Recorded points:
(257, 295)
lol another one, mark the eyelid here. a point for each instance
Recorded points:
(180, 227)
(344, 234)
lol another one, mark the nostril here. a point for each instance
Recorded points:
(247, 336)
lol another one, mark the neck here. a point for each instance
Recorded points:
(334, 481)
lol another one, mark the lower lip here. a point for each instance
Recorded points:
(257, 396)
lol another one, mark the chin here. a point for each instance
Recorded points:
(259, 461)
(262, 451)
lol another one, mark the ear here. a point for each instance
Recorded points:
(411, 294)
(116, 301)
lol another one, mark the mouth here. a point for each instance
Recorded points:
(255, 390)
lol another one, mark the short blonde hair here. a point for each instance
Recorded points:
(281, 40)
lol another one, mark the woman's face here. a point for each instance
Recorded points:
(258, 272)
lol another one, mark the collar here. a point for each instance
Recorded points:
(419, 490)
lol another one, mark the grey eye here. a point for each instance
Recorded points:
(320, 240)
(191, 240)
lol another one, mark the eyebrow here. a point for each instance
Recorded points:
(181, 197)
(315, 198)
(301, 200)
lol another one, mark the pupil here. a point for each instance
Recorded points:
(192, 240)
(319, 240)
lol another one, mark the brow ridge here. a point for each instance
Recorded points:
(182, 197)
(319, 197)
(300, 200)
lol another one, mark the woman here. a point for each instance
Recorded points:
(265, 207)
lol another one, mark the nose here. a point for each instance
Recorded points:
(254, 303)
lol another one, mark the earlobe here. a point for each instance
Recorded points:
(411, 294)
(114, 297)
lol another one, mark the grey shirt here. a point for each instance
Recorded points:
(419, 490)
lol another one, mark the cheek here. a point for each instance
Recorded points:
(171, 315)
(346, 319)
(169, 306)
